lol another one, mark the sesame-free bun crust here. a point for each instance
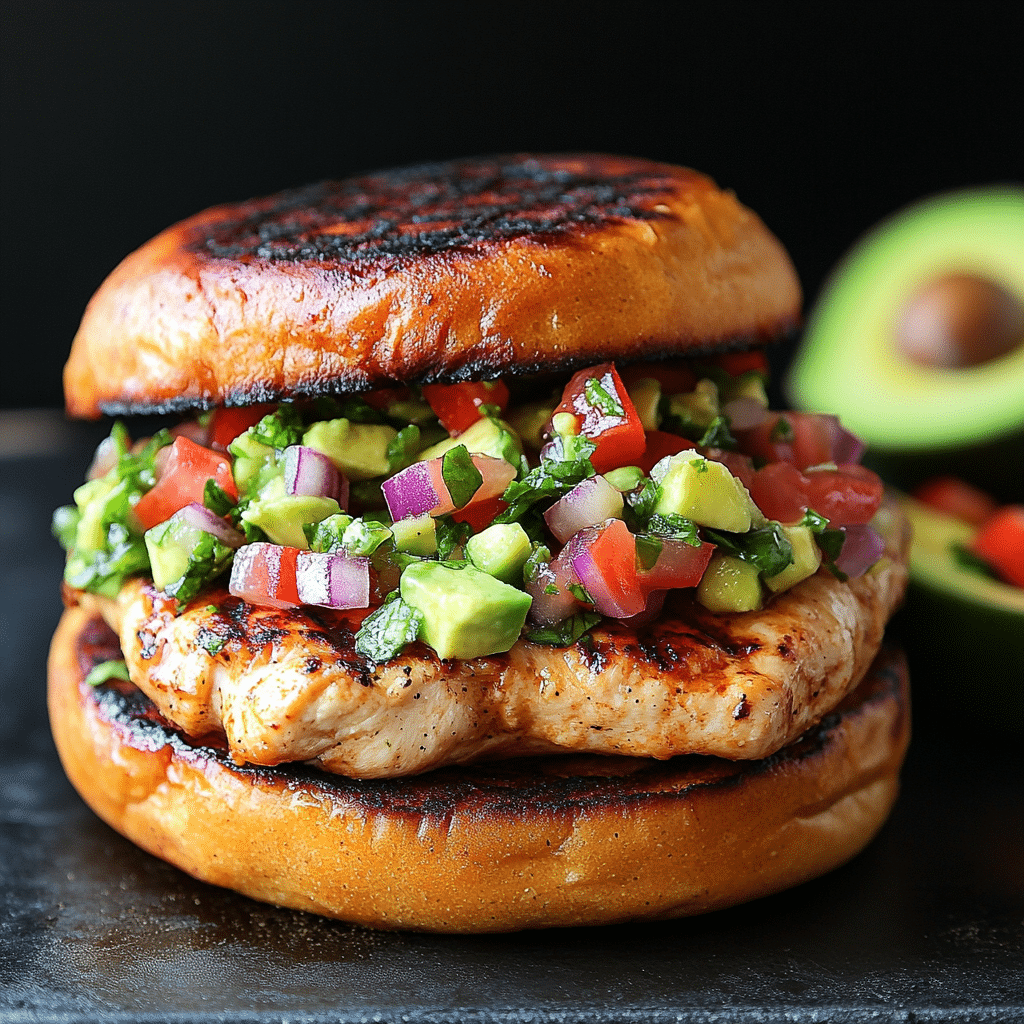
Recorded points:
(542, 842)
(469, 269)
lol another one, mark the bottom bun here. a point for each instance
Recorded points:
(530, 843)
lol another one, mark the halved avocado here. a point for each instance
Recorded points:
(852, 362)
(964, 631)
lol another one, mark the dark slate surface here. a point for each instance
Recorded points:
(926, 925)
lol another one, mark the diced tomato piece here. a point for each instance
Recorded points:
(679, 565)
(265, 574)
(1000, 542)
(847, 496)
(480, 514)
(227, 424)
(805, 439)
(605, 414)
(737, 363)
(958, 499)
(604, 558)
(659, 444)
(182, 480)
(458, 405)
(675, 378)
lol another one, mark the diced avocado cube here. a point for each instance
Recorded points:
(698, 408)
(254, 463)
(281, 517)
(730, 585)
(466, 612)
(703, 491)
(806, 559)
(487, 436)
(625, 478)
(170, 544)
(501, 551)
(359, 450)
(91, 499)
(748, 385)
(416, 535)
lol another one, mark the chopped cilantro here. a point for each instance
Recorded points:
(782, 431)
(216, 499)
(403, 448)
(718, 435)
(450, 535)
(829, 541)
(566, 632)
(386, 631)
(600, 398)
(460, 476)
(767, 547)
(207, 560)
(278, 429)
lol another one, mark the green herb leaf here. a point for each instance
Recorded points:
(554, 477)
(450, 535)
(718, 435)
(648, 549)
(566, 632)
(640, 505)
(216, 499)
(105, 671)
(580, 592)
(600, 398)
(385, 632)
(539, 556)
(403, 448)
(460, 476)
(768, 547)
(830, 542)
(207, 560)
(327, 536)
(278, 429)
(782, 432)
(674, 526)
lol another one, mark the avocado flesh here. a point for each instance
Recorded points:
(850, 362)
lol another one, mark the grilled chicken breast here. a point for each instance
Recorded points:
(288, 685)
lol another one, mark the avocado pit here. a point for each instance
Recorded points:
(960, 320)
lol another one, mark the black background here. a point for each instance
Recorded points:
(119, 119)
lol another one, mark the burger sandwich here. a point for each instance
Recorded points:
(473, 585)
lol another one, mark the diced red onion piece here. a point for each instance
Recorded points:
(846, 447)
(745, 413)
(203, 519)
(415, 491)
(309, 472)
(333, 580)
(652, 609)
(861, 549)
(590, 502)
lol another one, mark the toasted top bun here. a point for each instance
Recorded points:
(540, 842)
(465, 270)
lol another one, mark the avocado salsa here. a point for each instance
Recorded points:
(461, 517)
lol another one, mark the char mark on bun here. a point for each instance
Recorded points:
(477, 497)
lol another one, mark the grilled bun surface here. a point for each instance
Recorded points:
(548, 842)
(445, 272)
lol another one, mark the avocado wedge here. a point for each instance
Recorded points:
(964, 631)
(851, 361)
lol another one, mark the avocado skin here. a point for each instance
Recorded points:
(965, 647)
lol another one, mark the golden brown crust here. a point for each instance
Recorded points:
(540, 843)
(471, 269)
